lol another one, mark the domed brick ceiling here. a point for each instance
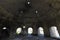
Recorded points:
(45, 13)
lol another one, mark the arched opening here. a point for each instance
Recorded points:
(54, 32)
(18, 30)
(30, 30)
(4, 28)
(40, 31)
(4, 32)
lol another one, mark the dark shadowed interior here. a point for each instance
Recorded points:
(39, 13)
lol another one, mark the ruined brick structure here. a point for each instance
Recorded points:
(17, 13)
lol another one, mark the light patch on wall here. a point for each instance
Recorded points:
(23, 26)
(28, 2)
(36, 11)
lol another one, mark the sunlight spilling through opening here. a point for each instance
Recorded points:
(4, 28)
(40, 31)
(18, 31)
(30, 30)
(54, 32)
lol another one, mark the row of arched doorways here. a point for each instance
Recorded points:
(40, 32)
